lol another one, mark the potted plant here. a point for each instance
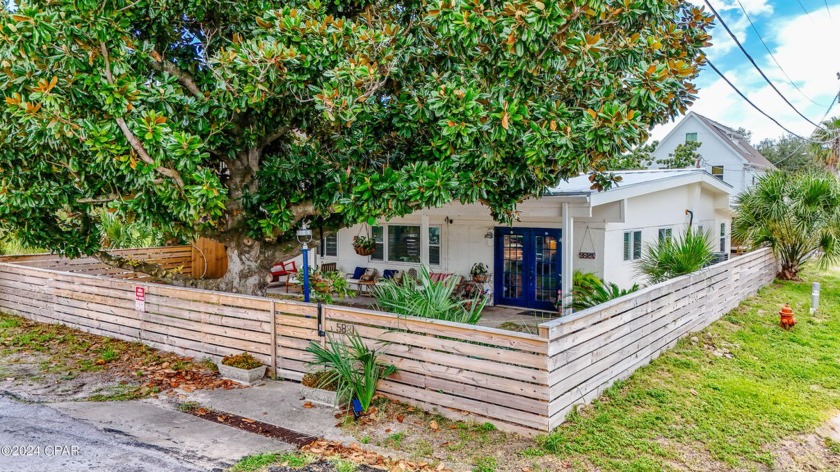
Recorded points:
(479, 272)
(242, 368)
(364, 245)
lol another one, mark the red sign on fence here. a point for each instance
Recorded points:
(140, 298)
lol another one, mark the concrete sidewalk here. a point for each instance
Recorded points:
(279, 403)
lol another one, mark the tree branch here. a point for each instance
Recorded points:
(185, 79)
(144, 267)
(274, 136)
(129, 136)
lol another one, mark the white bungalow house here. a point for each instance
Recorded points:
(570, 228)
(724, 152)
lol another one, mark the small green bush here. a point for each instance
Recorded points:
(589, 290)
(241, 361)
(351, 366)
(427, 299)
(672, 257)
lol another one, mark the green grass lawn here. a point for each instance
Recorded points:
(727, 410)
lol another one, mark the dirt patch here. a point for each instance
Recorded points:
(45, 362)
(809, 452)
(461, 445)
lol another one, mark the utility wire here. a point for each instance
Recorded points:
(828, 10)
(767, 48)
(804, 142)
(734, 38)
(748, 100)
(804, 9)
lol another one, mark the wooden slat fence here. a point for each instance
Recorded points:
(518, 381)
(592, 349)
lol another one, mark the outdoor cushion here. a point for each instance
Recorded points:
(359, 272)
(390, 273)
(439, 276)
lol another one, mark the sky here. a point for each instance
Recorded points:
(804, 37)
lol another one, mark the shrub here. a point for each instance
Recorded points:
(241, 361)
(326, 284)
(351, 366)
(679, 255)
(117, 233)
(427, 299)
(796, 215)
(588, 291)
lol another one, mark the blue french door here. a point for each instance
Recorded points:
(527, 267)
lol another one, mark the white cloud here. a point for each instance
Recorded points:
(805, 45)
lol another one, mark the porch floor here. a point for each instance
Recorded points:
(504, 317)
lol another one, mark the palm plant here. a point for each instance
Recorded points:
(679, 255)
(588, 291)
(428, 299)
(796, 215)
(118, 233)
(351, 366)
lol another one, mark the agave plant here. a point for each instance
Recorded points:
(588, 291)
(351, 366)
(672, 257)
(796, 215)
(428, 299)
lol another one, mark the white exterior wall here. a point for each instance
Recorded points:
(736, 171)
(463, 242)
(666, 209)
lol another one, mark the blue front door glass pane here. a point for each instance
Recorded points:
(527, 267)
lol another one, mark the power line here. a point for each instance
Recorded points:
(828, 10)
(734, 38)
(808, 141)
(804, 9)
(748, 100)
(767, 48)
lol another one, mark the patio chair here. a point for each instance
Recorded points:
(286, 269)
(329, 267)
(362, 278)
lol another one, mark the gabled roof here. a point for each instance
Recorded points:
(736, 142)
(638, 182)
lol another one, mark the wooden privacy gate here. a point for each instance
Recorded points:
(518, 381)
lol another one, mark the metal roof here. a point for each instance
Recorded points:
(737, 142)
(580, 185)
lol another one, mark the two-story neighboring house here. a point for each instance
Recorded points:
(724, 152)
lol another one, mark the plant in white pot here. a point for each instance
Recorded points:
(243, 368)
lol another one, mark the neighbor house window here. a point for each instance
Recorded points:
(690, 137)
(717, 171)
(723, 237)
(632, 245)
(434, 245)
(329, 245)
(664, 233)
(379, 254)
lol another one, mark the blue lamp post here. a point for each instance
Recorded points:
(304, 236)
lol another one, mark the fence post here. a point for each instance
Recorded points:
(273, 345)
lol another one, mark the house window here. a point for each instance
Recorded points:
(403, 243)
(664, 233)
(690, 137)
(329, 245)
(377, 233)
(723, 237)
(632, 245)
(717, 171)
(434, 245)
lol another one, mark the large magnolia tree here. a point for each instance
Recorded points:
(239, 119)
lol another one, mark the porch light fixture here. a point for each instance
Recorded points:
(488, 234)
(304, 236)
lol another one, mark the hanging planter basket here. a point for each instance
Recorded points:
(364, 251)
(364, 245)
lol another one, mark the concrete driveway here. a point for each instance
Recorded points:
(119, 437)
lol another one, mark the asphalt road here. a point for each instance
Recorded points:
(35, 437)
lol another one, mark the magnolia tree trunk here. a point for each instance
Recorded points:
(249, 264)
